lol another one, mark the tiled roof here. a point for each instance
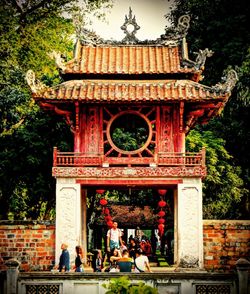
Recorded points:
(127, 60)
(126, 91)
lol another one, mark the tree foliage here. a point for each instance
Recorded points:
(222, 26)
(29, 31)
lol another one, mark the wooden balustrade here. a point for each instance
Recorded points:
(76, 159)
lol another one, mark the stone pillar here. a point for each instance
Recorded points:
(68, 216)
(243, 267)
(12, 275)
(189, 224)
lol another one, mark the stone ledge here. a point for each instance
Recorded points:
(196, 275)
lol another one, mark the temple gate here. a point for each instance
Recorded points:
(150, 88)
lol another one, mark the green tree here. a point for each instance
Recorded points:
(223, 187)
(29, 31)
(222, 26)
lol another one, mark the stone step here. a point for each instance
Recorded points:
(153, 264)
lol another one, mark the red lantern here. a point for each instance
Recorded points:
(106, 211)
(103, 201)
(161, 213)
(162, 203)
(161, 229)
(162, 192)
(108, 218)
(110, 224)
(161, 220)
(100, 191)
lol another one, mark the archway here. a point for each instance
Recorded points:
(134, 209)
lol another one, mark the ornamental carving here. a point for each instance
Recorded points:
(174, 34)
(35, 85)
(228, 82)
(165, 130)
(190, 219)
(130, 28)
(66, 203)
(131, 172)
(60, 62)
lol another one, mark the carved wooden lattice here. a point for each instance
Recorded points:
(213, 289)
(146, 114)
(42, 289)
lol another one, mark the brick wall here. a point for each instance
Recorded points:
(224, 243)
(33, 243)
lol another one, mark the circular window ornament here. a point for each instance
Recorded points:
(129, 132)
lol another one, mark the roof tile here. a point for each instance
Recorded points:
(124, 91)
(127, 60)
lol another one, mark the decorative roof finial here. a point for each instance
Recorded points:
(35, 85)
(177, 33)
(228, 82)
(130, 21)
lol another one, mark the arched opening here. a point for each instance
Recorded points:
(137, 211)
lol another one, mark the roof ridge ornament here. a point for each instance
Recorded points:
(177, 33)
(59, 60)
(36, 86)
(130, 37)
(199, 63)
(228, 82)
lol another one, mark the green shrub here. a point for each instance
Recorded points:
(122, 285)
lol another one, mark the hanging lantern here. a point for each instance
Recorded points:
(106, 211)
(110, 224)
(100, 191)
(161, 229)
(108, 218)
(103, 202)
(161, 220)
(161, 213)
(162, 192)
(162, 203)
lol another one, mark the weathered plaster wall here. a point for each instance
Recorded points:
(33, 243)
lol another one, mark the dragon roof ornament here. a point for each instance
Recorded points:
(36, 86)
(228, 82)
(60, 62)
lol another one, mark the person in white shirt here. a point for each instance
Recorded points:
(114, 237)
(141, 262)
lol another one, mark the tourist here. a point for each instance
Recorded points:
(125, 263)
(97, 260)
(114, 257)
(148, 248)
(114, 237)
(141, 262)
(123, 246)
(154, 241)
(132, 248)
(64, 261)
(79, 260)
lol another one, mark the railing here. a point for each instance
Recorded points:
(76, 159)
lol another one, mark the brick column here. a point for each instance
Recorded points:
(68, 217)
(189, 225)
